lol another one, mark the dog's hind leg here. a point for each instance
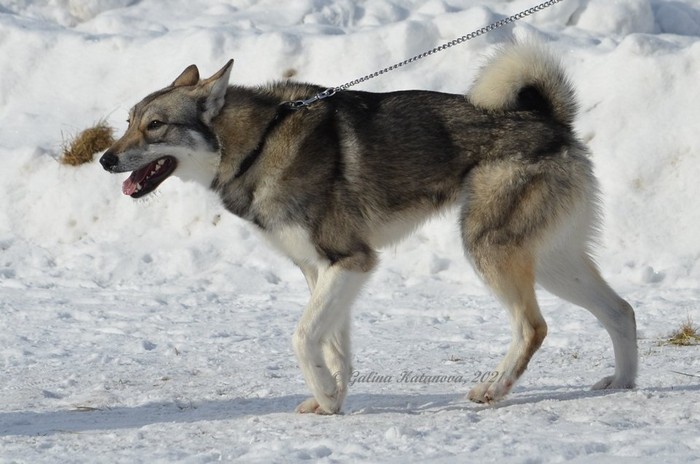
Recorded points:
(571, 274)
(510, 274)
(505, 209)
(322, 338)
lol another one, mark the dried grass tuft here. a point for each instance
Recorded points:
(686, 335)
(82, 148)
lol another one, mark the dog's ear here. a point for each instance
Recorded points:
(214, 92)
(190, 76)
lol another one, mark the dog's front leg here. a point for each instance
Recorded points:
(310, 272)
(322, 338)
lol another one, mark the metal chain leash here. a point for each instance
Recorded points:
(298, 104)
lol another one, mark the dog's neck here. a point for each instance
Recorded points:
(283, 110)
(241, 126)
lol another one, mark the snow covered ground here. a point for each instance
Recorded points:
(159, 330)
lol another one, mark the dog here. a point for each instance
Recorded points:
(332, 182)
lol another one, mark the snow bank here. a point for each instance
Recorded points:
(639, 84)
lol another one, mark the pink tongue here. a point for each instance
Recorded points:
(129, 186)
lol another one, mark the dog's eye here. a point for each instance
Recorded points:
(154, 125)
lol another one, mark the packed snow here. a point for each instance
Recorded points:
(159, 330)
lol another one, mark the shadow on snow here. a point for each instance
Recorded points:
(29, 423)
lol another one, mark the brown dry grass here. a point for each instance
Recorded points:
(686, 335)
(82, 148)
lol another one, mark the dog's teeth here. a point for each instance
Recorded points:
(157, 166)
(160, 163)
(138, 187)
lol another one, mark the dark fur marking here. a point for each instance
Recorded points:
(530, 98)
(239, 204)
(553, 145)
(334, 256)
(198, 126)
(358, 256)
(257, 220)
(282, 112)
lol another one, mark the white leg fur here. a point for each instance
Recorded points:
(337, 355)
(310, 274)
(575, 278)
(322, 338)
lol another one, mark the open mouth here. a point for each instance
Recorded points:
(146, 179)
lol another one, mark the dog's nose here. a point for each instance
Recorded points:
(109, 160)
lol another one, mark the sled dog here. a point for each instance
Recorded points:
(332, 183)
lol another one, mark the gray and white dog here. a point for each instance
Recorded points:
(331, 183)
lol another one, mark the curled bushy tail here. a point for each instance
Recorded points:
(525, 77)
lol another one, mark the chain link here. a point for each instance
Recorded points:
(472, 35)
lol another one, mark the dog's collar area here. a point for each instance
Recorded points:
(299, 104)
(283, 110)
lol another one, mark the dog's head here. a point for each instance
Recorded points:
(170, 133)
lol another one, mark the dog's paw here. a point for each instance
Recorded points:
(490, 392)
(613, 383)
(311, 406)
